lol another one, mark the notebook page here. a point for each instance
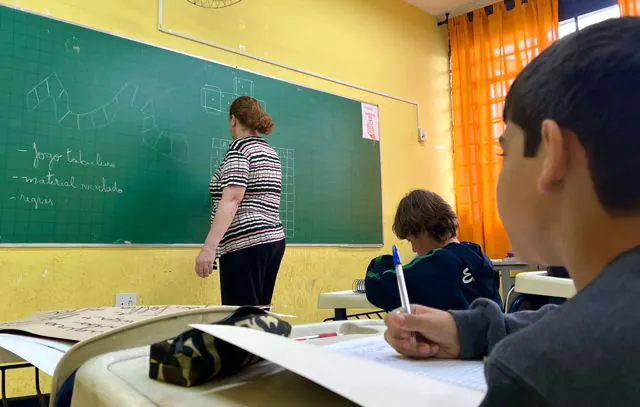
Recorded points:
(469, 374)
(379, 385)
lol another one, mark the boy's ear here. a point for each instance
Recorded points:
(553, 148)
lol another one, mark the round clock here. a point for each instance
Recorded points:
(214, 3)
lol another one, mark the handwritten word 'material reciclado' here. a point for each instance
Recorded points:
(52, 180)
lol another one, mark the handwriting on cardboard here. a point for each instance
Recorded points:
(84, 323)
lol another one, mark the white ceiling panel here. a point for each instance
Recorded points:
(454, 7)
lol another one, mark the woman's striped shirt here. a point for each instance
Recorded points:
(253, 164)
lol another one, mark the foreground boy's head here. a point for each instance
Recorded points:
(426, 220)
(569, 190)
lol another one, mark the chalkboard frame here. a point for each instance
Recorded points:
(188, 245)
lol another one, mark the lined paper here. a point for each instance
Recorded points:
(359, 380)
(469, 374)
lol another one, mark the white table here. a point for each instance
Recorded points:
(28, 355)
(122, 379)
(539, 283)
(340, 301)
(7, 357)
(505, 266)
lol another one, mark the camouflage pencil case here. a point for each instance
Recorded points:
(194, 357)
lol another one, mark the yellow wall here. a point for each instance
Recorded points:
(381, 44)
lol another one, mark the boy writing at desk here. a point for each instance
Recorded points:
(446, 273)
(568, 193)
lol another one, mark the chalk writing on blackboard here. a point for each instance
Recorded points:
(36, 201)
(174, 146)
(70, 156)
(50, 179)
(214, 100)
(50, 161)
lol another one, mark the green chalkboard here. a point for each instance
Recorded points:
(104, 140)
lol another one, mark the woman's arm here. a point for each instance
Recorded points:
(226, 210)
(232, 195)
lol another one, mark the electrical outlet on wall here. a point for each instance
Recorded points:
(126, 300)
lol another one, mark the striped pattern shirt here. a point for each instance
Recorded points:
(253, 164)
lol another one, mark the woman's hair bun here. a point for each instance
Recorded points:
(249, 112)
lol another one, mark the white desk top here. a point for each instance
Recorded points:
(349, 299)
(7, 357)
(512, 262)
(344, 299)
(539, 283)
(122, 379)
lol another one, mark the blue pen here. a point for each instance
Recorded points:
(402, 285)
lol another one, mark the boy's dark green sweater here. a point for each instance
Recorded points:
(449, 278)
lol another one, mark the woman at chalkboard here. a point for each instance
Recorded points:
(246, 231)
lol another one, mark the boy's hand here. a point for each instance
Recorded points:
(436, 333)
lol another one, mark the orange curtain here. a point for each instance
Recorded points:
(629, 7)
(486, 55)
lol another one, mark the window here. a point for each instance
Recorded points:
(566, 27)
(500, 81)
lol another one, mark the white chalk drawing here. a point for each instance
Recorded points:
(288, 200)
(174, 146)
(214, 3)
(215, 101)
(219, 148)
(243, 87)
(71, 45)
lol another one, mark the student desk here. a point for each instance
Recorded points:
(539, 283)
(9, 361)
(7, 358)
(121, 379)
(506, 266)
(339, 301)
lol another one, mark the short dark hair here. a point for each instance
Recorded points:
(589, 83)
(423, 211)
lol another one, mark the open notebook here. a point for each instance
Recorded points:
(469, 374)
(359, 377)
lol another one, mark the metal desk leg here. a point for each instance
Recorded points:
(38, 391)
(505, 275)
(5, 403)
(507, 301)
(3, 389)
(340, 314)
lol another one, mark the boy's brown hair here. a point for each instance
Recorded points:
(423, 211)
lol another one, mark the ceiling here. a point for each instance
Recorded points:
(454, 7)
